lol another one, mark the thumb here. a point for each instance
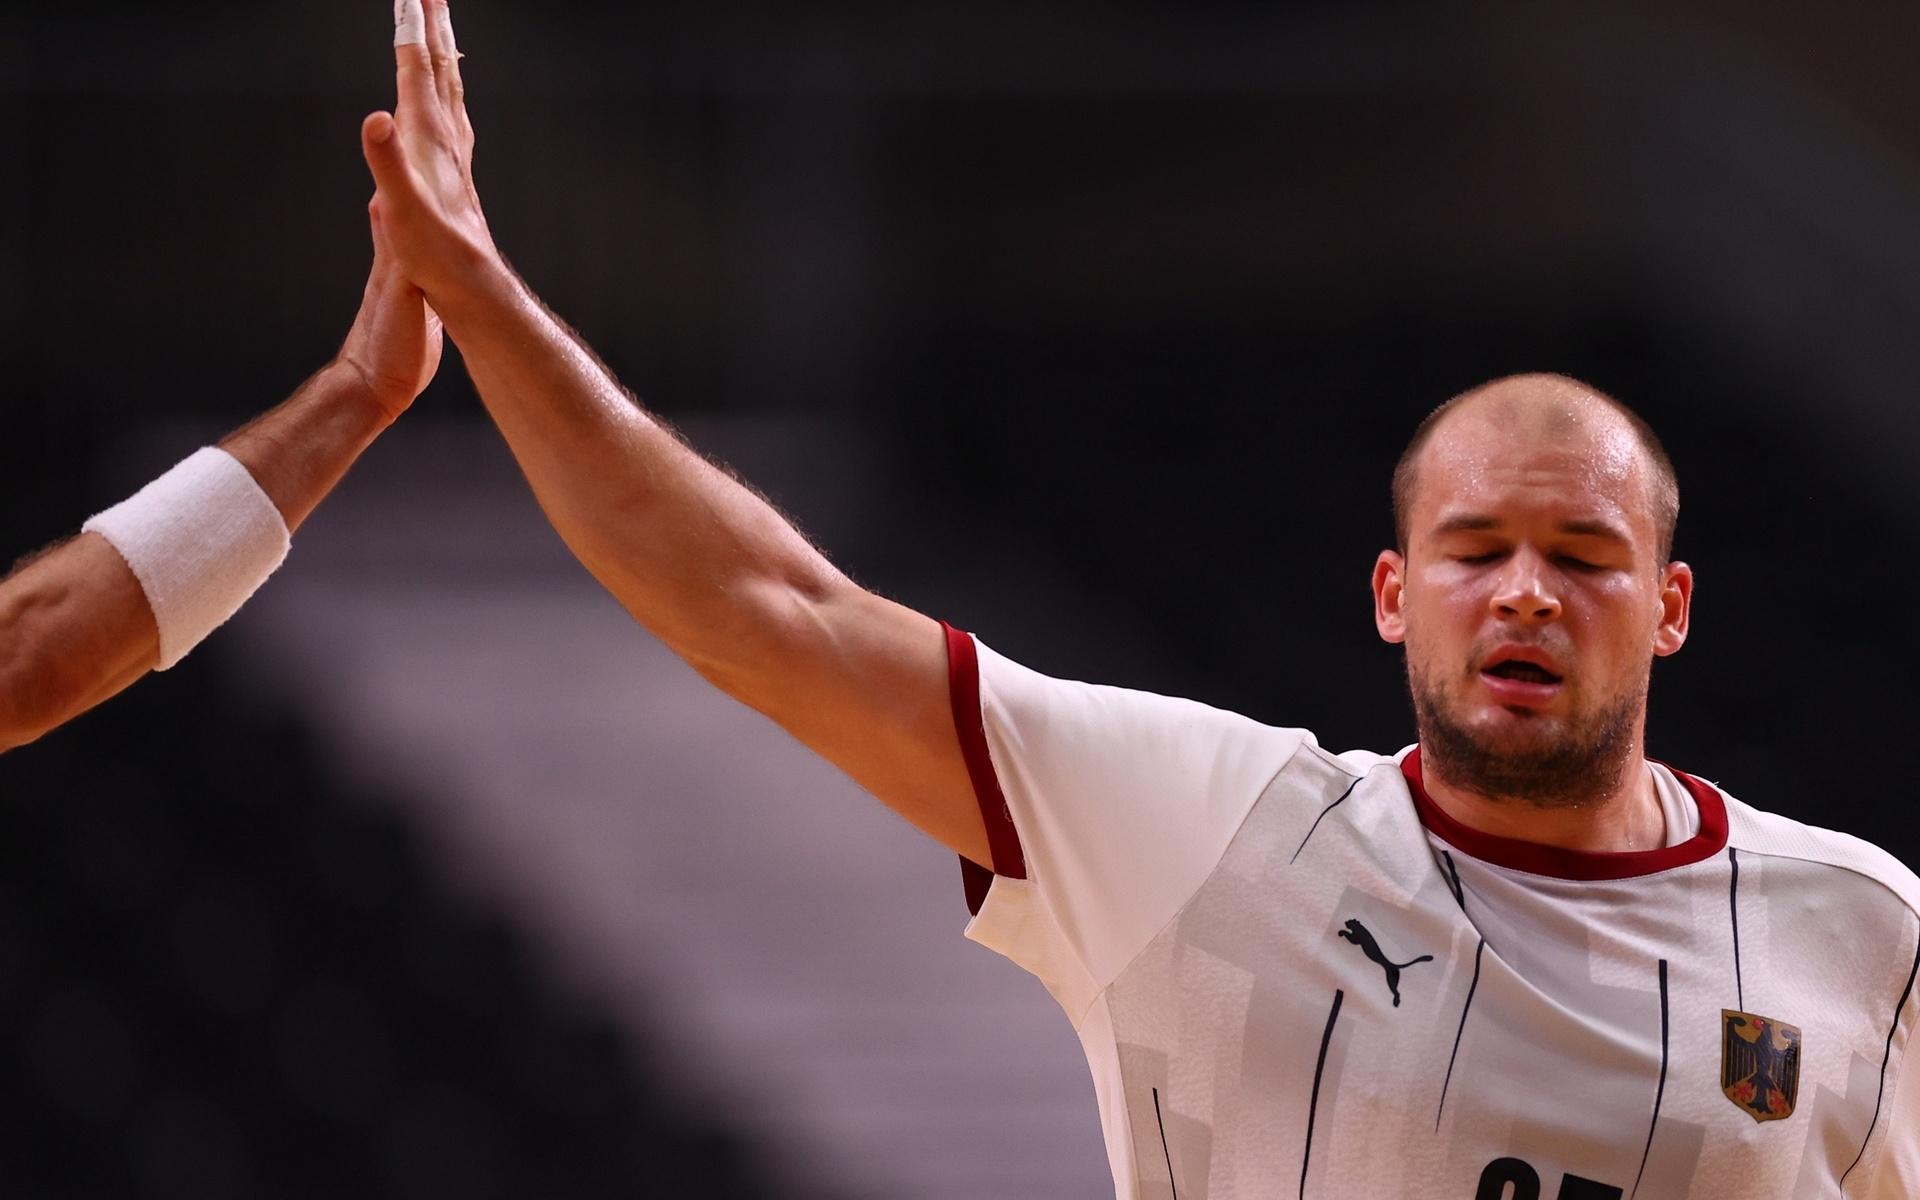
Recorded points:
(382, 249)
(380, 143)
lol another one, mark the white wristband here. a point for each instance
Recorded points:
(200, 539)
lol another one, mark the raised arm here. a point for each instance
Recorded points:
(701, 561)
(77, 623)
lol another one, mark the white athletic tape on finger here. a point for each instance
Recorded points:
(200, 539)
(443, 17)
(409, 23)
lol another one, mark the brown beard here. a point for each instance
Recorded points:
(1583, 766)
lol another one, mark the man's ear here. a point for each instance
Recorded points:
(1390, 596)
(1676, 608)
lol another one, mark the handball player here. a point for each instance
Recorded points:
(1517, 959)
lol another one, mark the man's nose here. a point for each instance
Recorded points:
(1526, 590)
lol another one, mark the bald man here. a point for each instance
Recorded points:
(1516, 960)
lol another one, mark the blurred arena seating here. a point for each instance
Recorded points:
(224, 975)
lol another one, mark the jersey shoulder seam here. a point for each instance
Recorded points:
(1904, 887)
(1180, 909)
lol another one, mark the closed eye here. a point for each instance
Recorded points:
(1567, 560)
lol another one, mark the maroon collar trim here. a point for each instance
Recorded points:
(1536, 859)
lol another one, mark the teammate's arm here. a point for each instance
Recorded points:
(76, 625)
(698, 559)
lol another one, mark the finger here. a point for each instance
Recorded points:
(381, 146)
(456, 87)
(385, 274)
(409, 23)
(440, 49)
(382, 250)
(412, 60)
(386, 264)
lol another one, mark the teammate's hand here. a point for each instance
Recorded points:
(421, 156)
(396, 339)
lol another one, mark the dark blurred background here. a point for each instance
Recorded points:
(1095, 329)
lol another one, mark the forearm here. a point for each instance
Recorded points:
(74, 629)
(76, 626)
(700, 560)
(300, 450)
(696, 557)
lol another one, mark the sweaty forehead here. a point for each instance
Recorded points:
(1537, 444)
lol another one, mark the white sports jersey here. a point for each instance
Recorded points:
(1294, 975)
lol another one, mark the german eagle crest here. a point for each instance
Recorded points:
(1759, 1064)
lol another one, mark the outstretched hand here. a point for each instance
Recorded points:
(421, 156)
(396, 339)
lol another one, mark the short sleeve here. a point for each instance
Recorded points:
(1115, 805)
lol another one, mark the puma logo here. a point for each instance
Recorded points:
(1357, 933)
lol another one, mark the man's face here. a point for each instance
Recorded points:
(1530, 599)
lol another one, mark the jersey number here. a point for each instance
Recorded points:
(1526, 1184)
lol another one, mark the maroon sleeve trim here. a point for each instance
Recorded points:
(1536, 859)
(1003, 840)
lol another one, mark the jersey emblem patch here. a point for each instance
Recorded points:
(1759, 1064)
(1362, 937)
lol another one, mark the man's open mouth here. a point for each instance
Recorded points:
(1523, 672)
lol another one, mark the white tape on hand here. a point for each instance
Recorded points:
(443, 17)
(200, 539)
(409, 23)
